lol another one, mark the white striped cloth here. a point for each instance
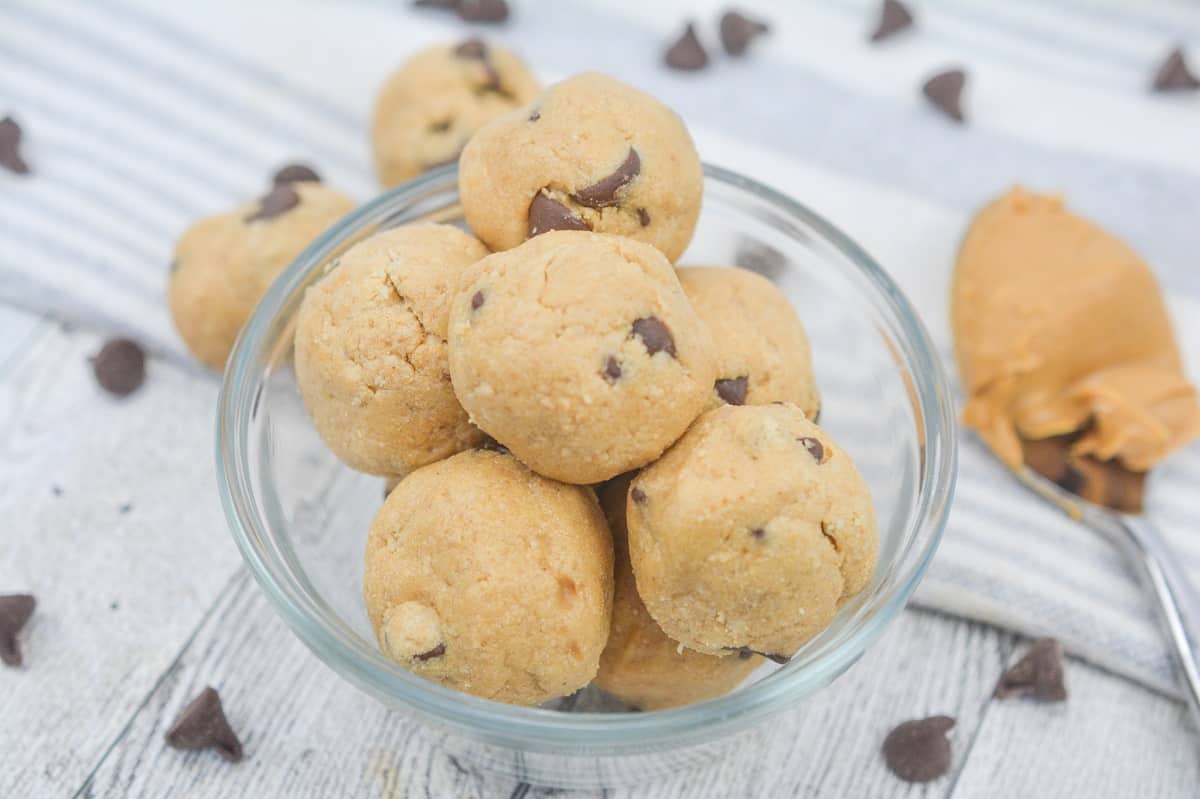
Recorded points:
(142, 116)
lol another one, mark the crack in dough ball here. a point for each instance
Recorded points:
(371, 358)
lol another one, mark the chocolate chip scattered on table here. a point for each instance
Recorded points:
(918, 750)
(944, 91)
(686, 53)
(203, 725)
(10, 147)
(15, 612)
(894, 17)
(738, 31)
(1174, 75)
(120, 366)
(1038, 674)
(482, 11)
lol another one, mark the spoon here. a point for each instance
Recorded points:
(1150, 556)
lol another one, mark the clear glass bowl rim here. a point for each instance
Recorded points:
(538, 729)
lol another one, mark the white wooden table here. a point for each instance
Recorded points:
(111, 519)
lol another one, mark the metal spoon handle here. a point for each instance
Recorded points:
(1176, 599)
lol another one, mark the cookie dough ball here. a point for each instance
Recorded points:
(593, 154)
(640, 664)
(430, 107)
(579, 353)
(750, 532)
(762, 350)
(487, 578)
(224, 264)
(371, 350)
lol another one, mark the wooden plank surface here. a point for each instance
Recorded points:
(141, 608)
(1111, 738)
(110, 519)
(306, 733)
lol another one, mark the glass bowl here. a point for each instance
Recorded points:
(300, 517)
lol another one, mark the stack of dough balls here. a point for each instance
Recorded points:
(606, 468)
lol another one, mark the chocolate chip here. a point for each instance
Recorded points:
(15, 610)
(687, 53)
(436, 652)
(472, 48)
(1038, 674)
(1174, 75)
(535, 115)
(918, 751)
(546, 213)
(490, 11)
(612, 369)
(814, 447)
(832, 541)
(655, 335)
(1070, 480)
(296, 173)
(603, 192)
(440, 125)
(281, 199)
(476, 50)
(492, 445)
(816, 419)
(10, 147)
(202, 725)
(761, 258)
(120, 366)
(759, 533)
(477, 300)
(745, 652)
(637, 495)
(944, 90)
(738, 30)
(733, 391)
(893, 18)
(643, 216)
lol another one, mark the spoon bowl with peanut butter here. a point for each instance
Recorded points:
(1074, 380)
